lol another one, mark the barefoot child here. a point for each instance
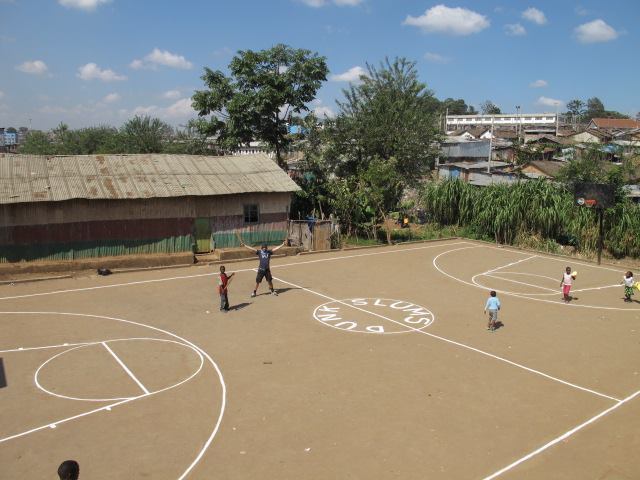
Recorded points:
(565, 283)
(223, 285)
(628, 283)
(493, 305)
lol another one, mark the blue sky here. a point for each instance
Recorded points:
(90, 62)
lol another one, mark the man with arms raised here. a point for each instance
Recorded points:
(263, 269)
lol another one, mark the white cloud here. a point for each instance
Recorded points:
(151, 110)
(161, 57)
(595, 32)
(87, 5)
(549, 102)
(453, 21)
(351, 75)
(539, 84)
(1, 94)
(91, 71)
(323, 111)
(436, 58)
(171, 94)
(48, 109)
(535, 16)
(35, 67)
(180, 109)
(111, 98)
(137, 64)
(323, 3)
(515, 30)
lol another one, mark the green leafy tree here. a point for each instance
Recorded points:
(489, 108)
(390, 114)
(456, 107)
(92, 140)
(593, 166)
(576, 107)
(313, 173)
(255, 102)
(595, 107)
(187, 142)
(381, 187)
(143, 134)
(37, 143)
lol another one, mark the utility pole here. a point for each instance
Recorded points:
(518, 122)
(490, 148)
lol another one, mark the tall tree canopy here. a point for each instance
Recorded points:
(144, 134)
(576, 107)
(489, 108)
(255, 101)
(592, 108)
(141, 134)
(390, 114)
(383, 140)
(457, 107)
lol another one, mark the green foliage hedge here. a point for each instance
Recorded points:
(541, 210)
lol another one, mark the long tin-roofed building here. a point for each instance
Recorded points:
(67, 207)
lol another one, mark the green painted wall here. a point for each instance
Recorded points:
(230, 240)
(102, 248)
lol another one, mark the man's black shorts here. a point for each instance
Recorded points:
(263, 274)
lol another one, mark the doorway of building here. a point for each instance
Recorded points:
(203, 235)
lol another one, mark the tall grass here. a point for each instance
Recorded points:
(540, 209)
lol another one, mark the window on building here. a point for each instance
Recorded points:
(251, 213)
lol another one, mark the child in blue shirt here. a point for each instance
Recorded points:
(493, 305)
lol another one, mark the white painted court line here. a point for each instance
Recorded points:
(68, 419)
(563, 260)
(527, 296)
(509, 265)
(546, 277)
(523, 283)
(453, 342)
(561, 437)
(223, 386)
(27, 349)
(186, 277)
(126, 369)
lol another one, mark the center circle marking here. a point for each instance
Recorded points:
(52, 360)
(382, 316)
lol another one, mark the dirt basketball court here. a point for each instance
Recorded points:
(370, 364)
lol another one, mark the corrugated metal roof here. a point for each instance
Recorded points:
(466, 149)
(31, 178)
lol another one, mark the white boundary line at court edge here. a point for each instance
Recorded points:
(453, 342)
(142, 282)
(223, 386)
(562, 437)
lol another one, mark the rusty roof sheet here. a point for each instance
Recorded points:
(32, 178)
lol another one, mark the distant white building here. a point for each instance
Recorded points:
(509, 120)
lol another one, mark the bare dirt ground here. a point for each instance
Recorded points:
(369, 364)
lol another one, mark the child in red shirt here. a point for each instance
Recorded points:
(223, 283)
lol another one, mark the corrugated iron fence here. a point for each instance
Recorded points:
(313, 234)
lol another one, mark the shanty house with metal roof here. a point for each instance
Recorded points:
(68, 207)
